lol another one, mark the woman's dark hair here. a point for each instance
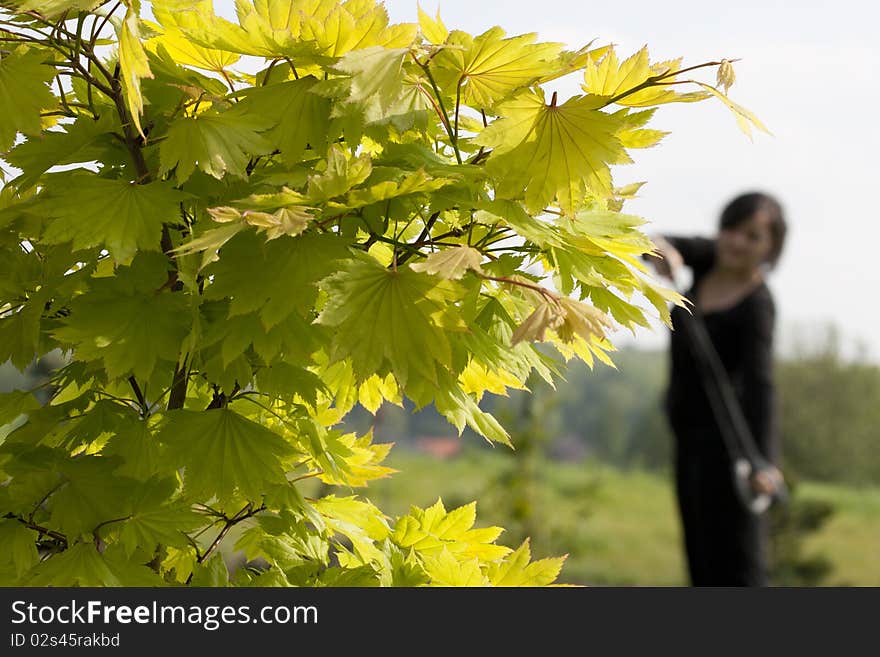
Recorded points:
(744, 206)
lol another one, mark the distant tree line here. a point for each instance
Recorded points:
(829, 408)
(829, 412)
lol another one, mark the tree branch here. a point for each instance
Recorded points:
(43, 531)
(423, 235)
(179, 384)
(246, 512)
(139, 394)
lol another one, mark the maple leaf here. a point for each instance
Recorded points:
(212, 572)
(461, 409)
(547, 316)
(552, 153)
(20, 337)
(375, 74)
(432, 29)
(299, 118)
(434, 530)
(338, 28)
(581, 320)
(451, 263)
(215, 143)
(284, 274)
(745, 119)
(444, 569)
(517, 569)
(416, 182)
(339, 176)
(81, 141)
(20, 543)
(156, 518)
(55, 8)
(133, 62)
(136, 445)
(224, 453)
(107, 322)
(630, 82)
(358, 520)
(116, 214)
(79, 565)
(362, 462)
(23, 93)
(92, 494)
(290, 221)
(186, 52)
(489, 67)
(383, 317)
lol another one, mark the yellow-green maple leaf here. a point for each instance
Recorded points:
(388, 318)
(444, 569)
(451, 263)
(300, 119)
(517, 569)
(432, 29)
(186, 52)
(432, 530)
(215, 143)
(55, 8)
(489, 67)
(133, 62)
(23, 93)
(613, 79)
(116, 214)
(225, 453)
(552, 152)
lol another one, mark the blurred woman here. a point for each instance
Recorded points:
(725, 544)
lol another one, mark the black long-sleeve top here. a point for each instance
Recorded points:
(743, 337)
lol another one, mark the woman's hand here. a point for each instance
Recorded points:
(670, 259)
(767, 481)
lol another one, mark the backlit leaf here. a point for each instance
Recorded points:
(517, 569)
(552, 152)
(386, 318)
(133, 61)
(451, 263)
(155, 519)
(119, 215)
(489, 67)
(107, 323)
(23, 93)
(223, 453)
(299, 119)
(215, 143)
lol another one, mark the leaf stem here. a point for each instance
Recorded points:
(444, 117)
(97, 537)
(43, 499)
(43, 531)
(426, 231)
(531, 286)
(654, 80)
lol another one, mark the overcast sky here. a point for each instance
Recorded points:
(807, 71)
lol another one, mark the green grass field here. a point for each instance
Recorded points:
(618, 528)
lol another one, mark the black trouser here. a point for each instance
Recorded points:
(724, 543)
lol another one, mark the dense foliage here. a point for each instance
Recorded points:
(233, 256)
